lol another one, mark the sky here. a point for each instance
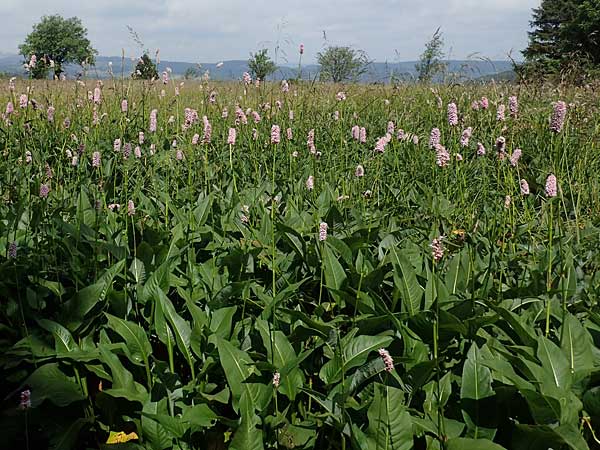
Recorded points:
(212, 31)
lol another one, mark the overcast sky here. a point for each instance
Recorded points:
(215, 30)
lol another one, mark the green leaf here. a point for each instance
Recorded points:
(135, 337)
(248, 435)
(472, 444)
(542, 437)
(390, 424)
(477, 397)
(355, 353)
(48, 382)
(173, 425)
(154, 432)
(221, 320)
(181, 328)
(63, 340)
(280, 352)
(572, 437)
(555, 364)
(138, 271)
(200, 416)
(476, 378)
(591, 401)
(123, 384)
(504, 372)
(89, 298)
(545, 410)
(411, 291)
(364, 373)
(334, 273)
(238, 366)
(576, 343)
(358, 348)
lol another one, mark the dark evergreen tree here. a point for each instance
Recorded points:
(145, 68)
(565, 33)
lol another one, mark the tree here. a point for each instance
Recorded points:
(430, 63)
(191, 73)
(261, 65)
(565, 33)
(145, 69)
(57, 41)
(342, 64)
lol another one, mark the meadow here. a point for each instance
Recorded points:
(198, 264)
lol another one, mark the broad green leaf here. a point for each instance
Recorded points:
(405, 281)
(591, 401)
(180, 327)
(75, 310)
(292, 436)
(199, 416)
(390, 424)
(543, 437)
(280, 352)
(153, 432)
(221, 320)
(135, 337)
(472, 444)
(576, 343)
(476, 378)
(175, 426)
(238, 366)
(513, 323)
(544, 409)
(123, 384)
(248, 435)
(504, 372)
(334, 273)
(476, 395)
(363, 374)
(138, 271)
(63, 340)
(49, 382)
(355, 353)
(437, 396)
(555, 364)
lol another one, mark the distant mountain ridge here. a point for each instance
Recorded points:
(378, 72)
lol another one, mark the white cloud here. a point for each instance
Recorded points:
(229, 29)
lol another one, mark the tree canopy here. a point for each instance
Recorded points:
(261, 65)
(56, 41)
(145, 69)
(342, 64)
(430, 63)
(565, 33)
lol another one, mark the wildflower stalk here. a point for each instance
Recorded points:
(231, 167)
(549, 269)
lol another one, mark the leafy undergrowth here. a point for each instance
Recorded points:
(187, 288)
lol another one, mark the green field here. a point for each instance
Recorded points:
(206, 294)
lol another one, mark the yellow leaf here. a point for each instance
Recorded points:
(120, 437)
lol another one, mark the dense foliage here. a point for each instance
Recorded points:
(261, 65)
(180, 270)
(57, 41)
(565, 36)
(145, 69)
(342, 63)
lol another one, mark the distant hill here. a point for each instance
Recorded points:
(507, 75)
(378, 72)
